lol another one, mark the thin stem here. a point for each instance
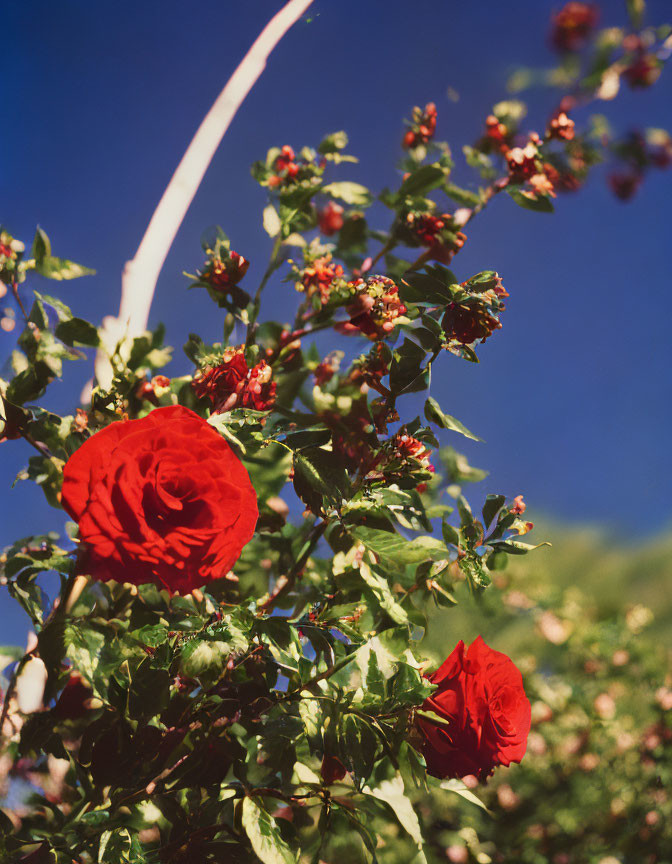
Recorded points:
(256, 302)
(17, 297)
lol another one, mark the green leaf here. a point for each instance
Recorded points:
(76, 331)
(264, 835)
(458, 787)
(351, 193)
(392, 792)
(422, 180)
(434, 414)
(458, 468)
(538, 203)
(322, 471)
(516, 547)
(396, 549)
(406, 374)
(333, 143)
(272, 223)
(381, 588)
(114, 846)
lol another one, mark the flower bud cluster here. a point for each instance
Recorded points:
(376, 309)
(231, 383)
(423, 127)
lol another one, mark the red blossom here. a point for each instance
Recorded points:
(330, 219)
(318, 277)
(162, 499)
(561, 126)
(572, 25)
(232, 384)
(496, 132)
(223, 273)
(437, 233)
(376, 309)
(481, 696)
(259, 391)
(643, 71)
(519, 506)
(522, 161)
(624, 185)
(469, 323)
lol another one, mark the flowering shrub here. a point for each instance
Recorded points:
(232, 669)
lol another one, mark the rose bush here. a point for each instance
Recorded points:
(163, 499)
(281, 714)
(482, 711)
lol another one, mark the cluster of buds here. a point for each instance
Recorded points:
(285, 167)
(153, 390)
(439, 233)
(369, 369)
(222, 272)
(409, 451)
(354, 439)
(469, 323)
(561, 127)
(526, 166)
(644, 68)
(473, 318)
(638, 153)
(523, 162)
(232, 384)
(10, 253)
(376, 309)
(330, 219)
(572, 25)
(320, 277)
(325, 371)
(423, 127)
(497, 133)
(283, 171)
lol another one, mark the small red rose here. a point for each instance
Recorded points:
(163, 499)
(480, 693)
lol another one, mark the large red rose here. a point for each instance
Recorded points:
(163, 499)
(480, 693)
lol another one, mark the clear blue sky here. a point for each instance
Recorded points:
(573, 396)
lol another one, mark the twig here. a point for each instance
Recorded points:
(142, 272)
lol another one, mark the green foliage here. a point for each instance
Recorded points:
(269, 714)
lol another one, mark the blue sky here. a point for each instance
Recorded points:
(573, 396)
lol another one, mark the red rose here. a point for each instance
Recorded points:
(480, 692)
(163, 499)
